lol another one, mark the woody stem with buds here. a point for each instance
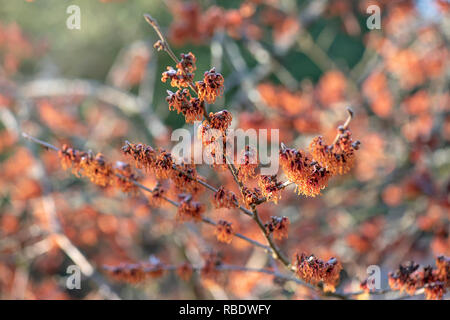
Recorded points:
(345, 125)
(166, 47)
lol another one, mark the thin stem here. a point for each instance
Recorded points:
(157, 29)
(346, 124)
(277, 254)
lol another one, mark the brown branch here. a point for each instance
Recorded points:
(141, 186)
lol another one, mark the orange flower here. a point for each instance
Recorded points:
(338, 158)
(251, 197)
(187, 62)
(278, 226)
(163, 165)
(315, 182)
(314, 270)
(224, 199)
(96, 169)
(270, 187)
(157, 196)
(409, 278)
(184, 178)
(220, 120)
(189, 209)
(177, 78)
(295, 164)
(247, 164)
(309, 177)
(182, 102)
(211, 87)
(144, 156)
(224, 231)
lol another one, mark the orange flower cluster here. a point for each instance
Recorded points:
(224, 231)
(135, 273)
(311, 172)
(211, 87)
(248, 163)
(163, 165)
(307, 174)
(409, 278)
(314, 271)
(157, 196)
(278, 226)
(224, 199)
(220, 120)
(178, 78)
(187, 62)
(270, 187)
(184, 178)
(144, 156)
(208, 89)
(97, 169)
(189, 210)
(161, 162)
(251, 197)
(181, 101)
(339, 157)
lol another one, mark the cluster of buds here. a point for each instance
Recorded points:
(435, 281)
(270, 187)
(211, 87)
(136, 272)
(97, 169)
(224, 199)
(251, 196)
(224, 231)
(278, 226)
(302, 170)
(339, 157)
(314, 271)
(248, 163)
(181, 101)
(188, 209)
